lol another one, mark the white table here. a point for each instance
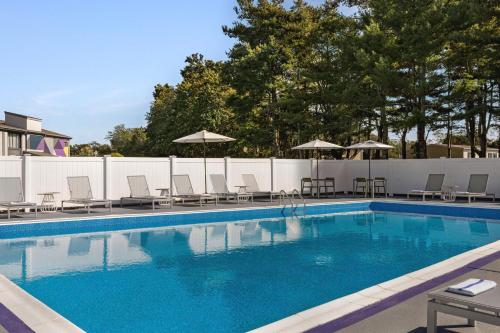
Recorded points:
(164, 192)
(48, 202)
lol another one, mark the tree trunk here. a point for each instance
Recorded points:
(403, 144)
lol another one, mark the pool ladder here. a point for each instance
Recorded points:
(289, 199)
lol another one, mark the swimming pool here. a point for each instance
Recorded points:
(226, 276)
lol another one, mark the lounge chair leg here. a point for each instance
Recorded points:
(431, 318)
(471, 322)
(8, 213)
(153, 205)
(88, 209)
(62, 206)
(36, 212)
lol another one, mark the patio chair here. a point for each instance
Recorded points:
(80, 193)
(219, 185)
(484, 307)
(306, 186)
(139, 191)
(477, 188)
(329, 183)
(359, 183)
(184, 190)
(433, 186)
(380, 186)
(252, 187)
(12, 196)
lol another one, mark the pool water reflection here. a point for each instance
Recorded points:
(228, 277)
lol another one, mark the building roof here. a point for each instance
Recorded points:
(44, 132)
(22, 115)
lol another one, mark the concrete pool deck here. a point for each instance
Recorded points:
(411, 315)
(340, 314)
(73, 213)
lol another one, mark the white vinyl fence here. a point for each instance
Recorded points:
(108, 175)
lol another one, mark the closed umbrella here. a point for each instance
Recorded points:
(204, 137)
(317, 145)
(369, 146)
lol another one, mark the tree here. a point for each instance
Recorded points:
(198, 102)
(127, 141)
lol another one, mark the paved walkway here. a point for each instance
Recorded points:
(146, 208)
(411, 315)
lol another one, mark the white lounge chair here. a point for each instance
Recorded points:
(185, 191)
(477, 188)
(433, 186)
(80, 192)
(251, 186)
(219, 185)
(484, 307)
(12, 196)
(139, 191)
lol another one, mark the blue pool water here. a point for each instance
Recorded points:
(231, 276)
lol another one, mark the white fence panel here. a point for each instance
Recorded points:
(11, 166)
(260, 167)
(335, 169)
(108, 176)
(289, 173)
(195, 169)
(156, 170)
(48, 174)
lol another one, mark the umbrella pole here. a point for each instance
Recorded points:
(317, 173)
(370, 171)
(205, 162)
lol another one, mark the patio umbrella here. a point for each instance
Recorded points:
(370, 145)
(317, 145)
(204, 137)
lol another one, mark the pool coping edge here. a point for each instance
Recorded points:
(328, 314)
(31, 311)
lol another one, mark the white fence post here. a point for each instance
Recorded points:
(312, 173)
(273, 175)
(27, 177)
(107, 160)
(172, 172)
(227, 172)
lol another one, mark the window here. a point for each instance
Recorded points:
(34, 142)
(14, 140)
(14, 144)
(493, 155)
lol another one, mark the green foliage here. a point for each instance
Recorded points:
(300, 72)
(90, 149)
(198, 102)
(128, 141)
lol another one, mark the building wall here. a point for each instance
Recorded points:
(437, 151)
(49, 145)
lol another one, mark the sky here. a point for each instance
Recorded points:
(84, 66)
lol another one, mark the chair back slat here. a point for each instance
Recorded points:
(250, 182)
(478, 183)
(219, 184)
(434, 182)
(79, 188)
(11, 189)
(183, 185)
(138, 186)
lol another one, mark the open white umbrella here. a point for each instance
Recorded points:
(204, 137)
(370, 145)
(317, 145)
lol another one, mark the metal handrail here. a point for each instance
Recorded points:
(284, 196)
